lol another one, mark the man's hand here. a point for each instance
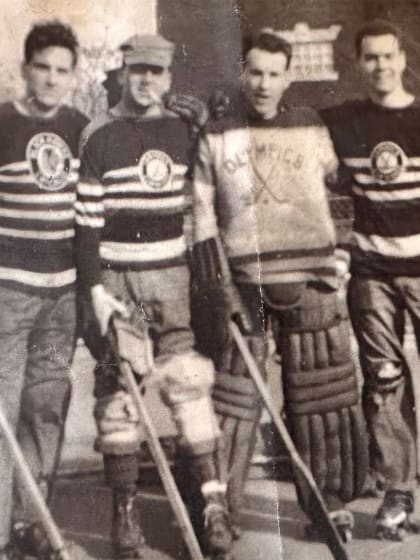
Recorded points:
(104, 305)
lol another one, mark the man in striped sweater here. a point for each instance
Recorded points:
(263, 230)
(131, 251)
(378, 142)
(39, 139)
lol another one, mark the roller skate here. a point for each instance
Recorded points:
(393, 519)
(343, 520)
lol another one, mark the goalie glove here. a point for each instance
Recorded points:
(212, 286)
(189, 108)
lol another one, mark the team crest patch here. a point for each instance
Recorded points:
(387, 160)
(155, 169)
(49, 160)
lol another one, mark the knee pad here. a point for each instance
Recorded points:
(185, 382)
(385, 378)
(118, 424)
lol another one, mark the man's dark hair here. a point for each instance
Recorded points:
(375, 28)
(50, 34)
(267, 41)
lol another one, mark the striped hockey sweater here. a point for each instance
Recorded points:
(380, 168)
(261, 185)
(132, 197)
(38, 176)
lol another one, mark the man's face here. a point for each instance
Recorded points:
(145, 84)
(49, 76)
(382, 62)
(265, 79)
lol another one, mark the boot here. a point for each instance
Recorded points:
(218, 537)
(29, 539)
(127, 538)
(393, 518)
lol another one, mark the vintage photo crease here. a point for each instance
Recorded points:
(209, 279)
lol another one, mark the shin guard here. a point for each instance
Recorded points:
(237, 404)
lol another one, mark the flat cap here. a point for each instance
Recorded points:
(148, 49)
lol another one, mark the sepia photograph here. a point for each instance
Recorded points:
(209, 279)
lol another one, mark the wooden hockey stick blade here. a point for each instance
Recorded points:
(162, 466)
(329, 530)
(37, 500)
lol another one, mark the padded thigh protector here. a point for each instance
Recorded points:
(321, 394)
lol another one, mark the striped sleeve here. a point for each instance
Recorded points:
(89, 220)
(204, 187)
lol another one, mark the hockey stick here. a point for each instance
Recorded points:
(159, 457)
(329, 530)
(60, 549)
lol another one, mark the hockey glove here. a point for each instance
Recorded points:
(189, 108)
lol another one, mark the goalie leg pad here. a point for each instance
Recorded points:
(321, 397)
(238, 406)
(185, 382)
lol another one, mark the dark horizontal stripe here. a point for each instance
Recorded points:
(120, 180)
(356, 169)
(388, 186)
(368, 263)
(32, 264)
(368, 169)
(42, 246)
(141, 213)
(146, 195)
(32, 188)
(129, 228)
(146, 265)
(28, 289)
(287, 254)
(25, 173)
(387, 219)
(316, 271)
(36, 225)
(89, 198)
(108, 181)
(11, 173)
(45, 207)
(38, 260)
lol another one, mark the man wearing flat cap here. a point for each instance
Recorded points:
(131, 253)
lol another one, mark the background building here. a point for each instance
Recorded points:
(208, 34)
